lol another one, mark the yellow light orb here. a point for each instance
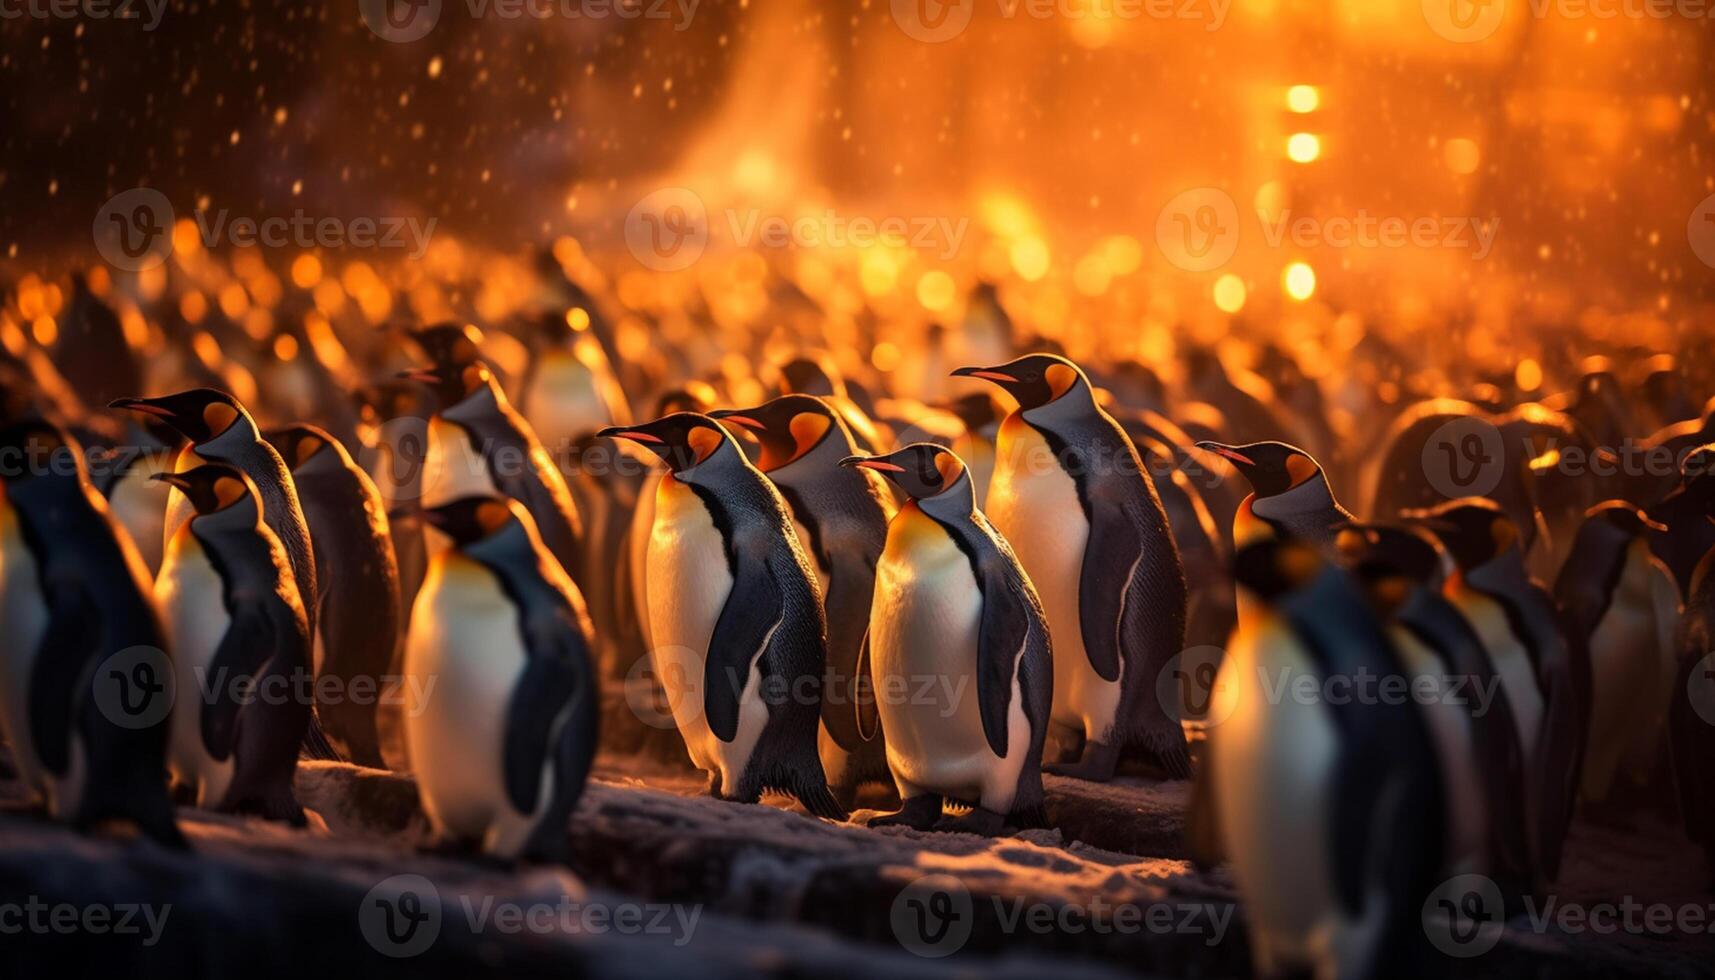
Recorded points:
(1303, 147)
(1303, 98)
(935, 290)
(1299, 281)
(306, 271)
(1230, 293)
(1528, 375)
(578, 319)
(885, 357)
(1030, 258)
(1461, 155)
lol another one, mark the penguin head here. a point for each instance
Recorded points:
(1272, 468)
(451, 383)
(1623, 516)
(1697, 471)
(450, 347)
(299, 443)
(683, 440)
(1033, 380)
(211, 487)
(788, 427)
(922, 469)
(469, 520)
(811, 374)
(199, 414)
(1270, 568)
(1474, 530)
(693, 396)
(1380, 552)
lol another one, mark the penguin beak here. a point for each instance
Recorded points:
(635, 435)
(872, 463)
(987, 374)
(143, 406)
(738, 419)
(426, 377)
(1226, 451)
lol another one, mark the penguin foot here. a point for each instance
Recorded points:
(983, 823)
(1098, 764)
(916, 812)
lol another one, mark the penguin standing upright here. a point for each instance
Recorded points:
(1691, 720)
(1071, 496)
(569, 390)
(1686, 513)
(1290, 496)
(841, 517)
(952, 601)
(73, 596)
(502, 704)
(1545, 676)
(479, 444)
(1330, 807)
(121, 468)
(241, 647)
(357, 632)
(739, 637)
(1624, 605)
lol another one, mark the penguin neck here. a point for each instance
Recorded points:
(801, 471)
(1073, 405)
(955, 505)
(1310, 499)
(233, 441)
(484, 400)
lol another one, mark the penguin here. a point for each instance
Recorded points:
(237, 625)
(569, 389)
(1545, 676)
(1685, 512)
(1690, 728)
(220, 430)
(1330, 807)
(698, 397)
(815, 374)
(739, 637)
(91, 349)
(841, 517)
(358, 629)
(502, 700)
(121, 469)
(73, 594)
(952, 601)
(479, 444)
(396, 415)
(1070, 494)
(1290, 496)
(1623, 603)
(1403, 571)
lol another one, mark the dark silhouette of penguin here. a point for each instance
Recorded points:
(841, 515)
(236, 624)
(1071, 495)
(951, 600)
(1290, 496)
(735, 619)
(1691, 719)
(73, 596)
(1685, 514)
(358, 629)
(502, 696)
(91, 349)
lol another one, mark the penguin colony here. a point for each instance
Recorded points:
(487, 518)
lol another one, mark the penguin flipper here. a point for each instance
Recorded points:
(251, 642)
(1002, 640)
(551, 682)
(754, 609)
(863, 695)
(1561, 745)
(1111, 559)
(71, 636)
(849, 590)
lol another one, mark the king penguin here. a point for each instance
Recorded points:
(841, 517)
(73, 595)
(241, 644)
(1691, 720)
(1624, 605)
(739, 639)
(502, 699)
(358, 629)
(1070, 494)
(1290, 496)
(953, 602)
(1545, 676)
(479, 444)
(1330, 807)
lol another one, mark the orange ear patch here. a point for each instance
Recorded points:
(219, 416)
(1300, 468)
(492, 515)
(1504, 534)
(1060, 378)
(228, 490)
(307, 447)
(807, 429)
(949, 467)
(704, 441)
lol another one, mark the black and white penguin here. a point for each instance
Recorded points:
(738, 636)
(814, 373)
(1544, 673)
(121, 460)
(1691, 720)
(952, 601)
(357, 631)
(73, 594)
(697, 396)
(1331, 807)
(220, 430)
(1290, 496)
(501, 694)
(841, 517)
(568, 390)
(1070, 494)
(478, 444)
(1403, 571)
(241, 648)
(1624, 605)
(1686, 513)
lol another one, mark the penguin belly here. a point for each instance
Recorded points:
(924, 625)
(1449, 726)
(1512, 662)
(1273, 764)
(141, 507)
(463, 661)
(563, 402)
(23, 621)
(1629, 679)
(688, 582)
(452, 467)
(1034, 504)
(190, 595)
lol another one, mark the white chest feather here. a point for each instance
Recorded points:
(141, 507)
(564, 401)
(1511, 659)
(1449, 724)
(188, 593)
(452, 467)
